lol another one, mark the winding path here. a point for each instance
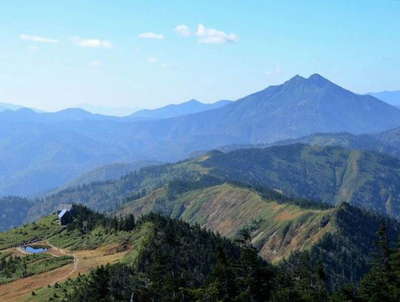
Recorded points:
(63, 253)
(16, 289)
(84, 260)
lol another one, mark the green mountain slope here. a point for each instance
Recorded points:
(328, 174)
(279, 227)
(159, 258)
(157, 250)
(109, 195)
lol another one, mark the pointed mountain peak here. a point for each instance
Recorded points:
(314, 79)
(319, 80)
(317, 77)
(296, 78)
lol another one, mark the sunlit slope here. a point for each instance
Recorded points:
(277, 228)
(328, 174)
(343, 237)
(71, 252)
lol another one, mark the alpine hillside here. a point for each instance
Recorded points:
(329, 175)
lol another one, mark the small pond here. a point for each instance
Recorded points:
(34, 249)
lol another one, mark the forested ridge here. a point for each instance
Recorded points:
(324, 246)
(342, 237)
(182, 262)
(327, 174)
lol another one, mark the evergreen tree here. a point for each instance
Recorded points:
(382, 282)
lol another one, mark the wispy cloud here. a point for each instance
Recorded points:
(207, 35)
(152, 60)
(151, 35)
(92, 43)
(212, 36)
(39, 39)
(183, 30)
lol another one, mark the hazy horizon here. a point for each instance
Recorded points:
(126, 110)
(58, 55)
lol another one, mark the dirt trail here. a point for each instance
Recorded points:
(84, 261)
(53, 251)
(14, 290)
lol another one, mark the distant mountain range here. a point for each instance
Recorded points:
(189, 107)
(42, 151)
(12, 107)
(107, 110)
(390, 97)
(88, 112)
(6, 106)
(296, 108)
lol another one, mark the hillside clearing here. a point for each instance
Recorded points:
(83, 261)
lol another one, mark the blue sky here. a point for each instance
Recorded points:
(127, 53)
